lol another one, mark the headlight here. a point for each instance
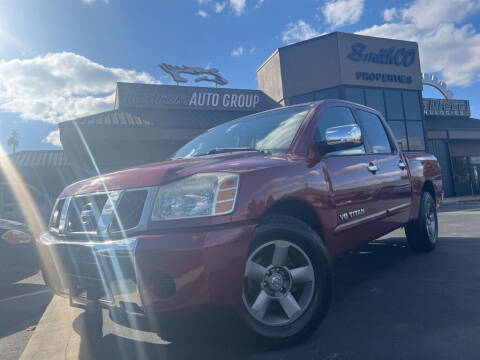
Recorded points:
(199, 195)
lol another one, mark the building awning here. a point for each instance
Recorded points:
(451, 123)
(113, 118)
(156, 118)
(40, 158)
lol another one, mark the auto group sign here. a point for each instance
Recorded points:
(189, 97)
(227, 100)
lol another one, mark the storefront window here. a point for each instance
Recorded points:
(300, 99)
(374, 99)
(411, 102)
(415, 136)
(355, 95)
(332, 93)
(398, 128)
(461, 175)
(475, 159)
(461, 172)
(393, 100)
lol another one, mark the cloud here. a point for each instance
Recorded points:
(390, 14)
(53, 138)
(428, 14)
(219, 7)
(343, 12)
(60, 86)
(446, 46)
(237, 52)
(202, 13)
(298, 31)
(259, 3)
(89, 2)
(238, 6)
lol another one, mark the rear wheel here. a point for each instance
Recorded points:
(422, 233)
(288, 280)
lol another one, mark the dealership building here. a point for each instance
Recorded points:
(149, 122)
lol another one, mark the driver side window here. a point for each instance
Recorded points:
(337, 116)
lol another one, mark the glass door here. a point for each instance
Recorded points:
(475, 170)
(461, 175)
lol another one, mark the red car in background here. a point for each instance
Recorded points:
(18, 258)
(247, 215)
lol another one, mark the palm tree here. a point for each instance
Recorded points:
(13, 141)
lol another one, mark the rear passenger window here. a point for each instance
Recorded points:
(337, 116)
(374, 135)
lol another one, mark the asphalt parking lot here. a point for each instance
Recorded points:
(389, 303)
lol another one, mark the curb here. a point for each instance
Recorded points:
(55, 337)
(460, 201)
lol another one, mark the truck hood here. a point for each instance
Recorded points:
(163, 172)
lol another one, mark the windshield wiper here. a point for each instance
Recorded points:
(233, 149)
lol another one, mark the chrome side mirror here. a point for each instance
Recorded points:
(341, 138)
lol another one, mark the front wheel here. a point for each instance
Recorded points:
(288, 280)
(422, 233)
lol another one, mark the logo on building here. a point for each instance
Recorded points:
(175, 72)
(389, 56)
(446, 107)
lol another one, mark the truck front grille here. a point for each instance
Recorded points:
(94, 216)
(129, 210)
(84, 212)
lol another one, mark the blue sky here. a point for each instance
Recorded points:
(60, 59)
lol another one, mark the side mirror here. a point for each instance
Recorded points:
(341, 138)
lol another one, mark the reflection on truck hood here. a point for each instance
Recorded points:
(167, 171)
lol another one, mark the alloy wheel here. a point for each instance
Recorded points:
(431, 222)
(279, 283)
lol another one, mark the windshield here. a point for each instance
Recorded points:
(271, 132)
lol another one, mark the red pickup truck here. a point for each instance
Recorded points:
(247, 215)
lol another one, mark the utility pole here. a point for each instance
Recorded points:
(13, 141)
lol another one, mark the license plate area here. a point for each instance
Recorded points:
(85, 274)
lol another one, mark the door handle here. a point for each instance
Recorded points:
(402, 165)
(372, 167)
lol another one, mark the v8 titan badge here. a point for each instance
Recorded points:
(351, 214)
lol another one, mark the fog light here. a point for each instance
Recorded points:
(163, 284)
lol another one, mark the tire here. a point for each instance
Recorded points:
(303, 272)
(422, 233)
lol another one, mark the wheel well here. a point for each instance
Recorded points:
(298, 210)
(428, 187)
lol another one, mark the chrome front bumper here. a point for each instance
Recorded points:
(86, 271)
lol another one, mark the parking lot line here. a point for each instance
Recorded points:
(24, 295)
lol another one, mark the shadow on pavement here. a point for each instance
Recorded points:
(219, 335)
(21, 272)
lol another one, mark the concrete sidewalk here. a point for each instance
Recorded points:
(461, 199)
(54, 338)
